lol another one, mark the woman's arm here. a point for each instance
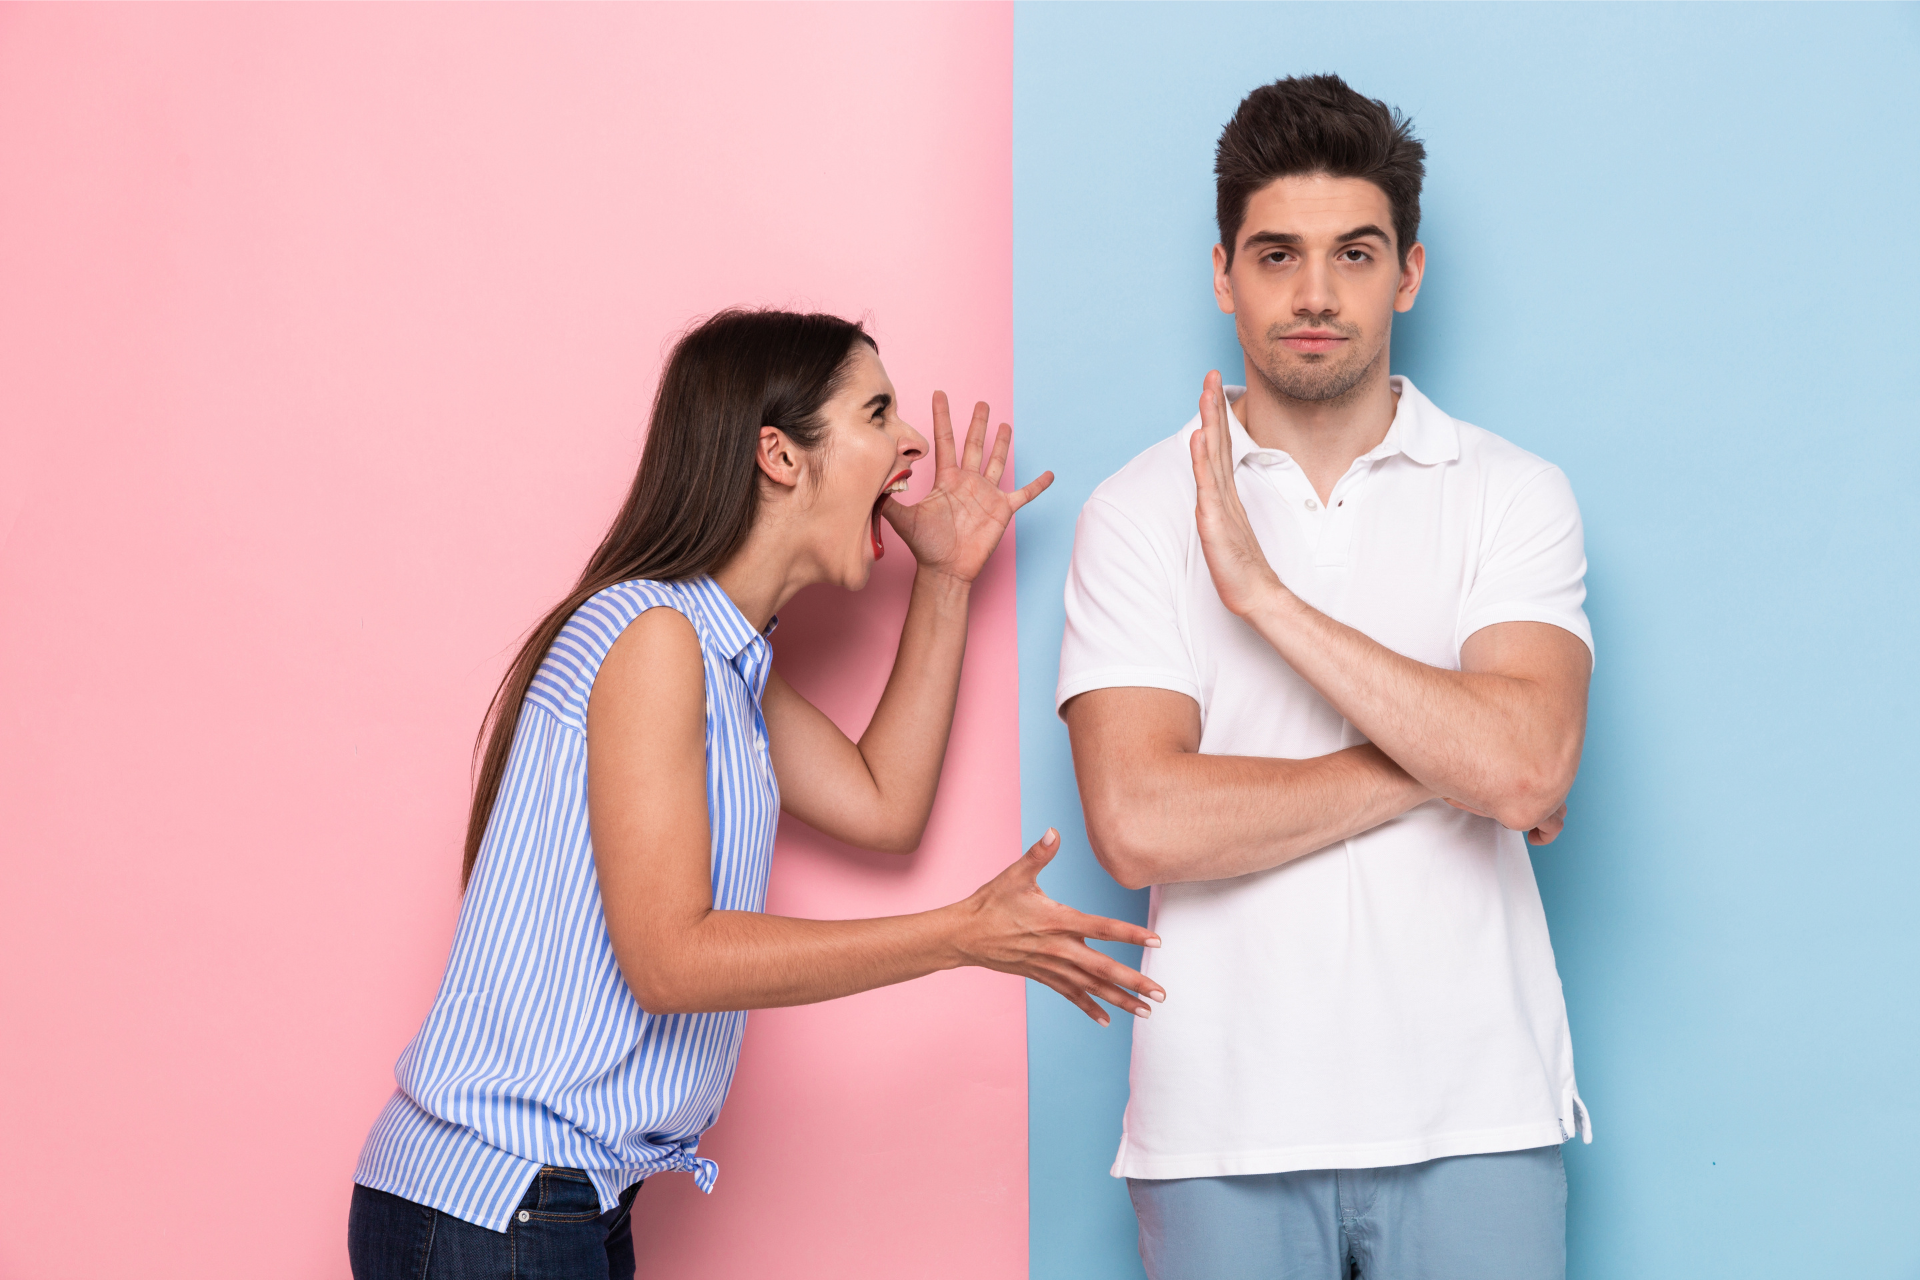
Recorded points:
(878, 792)
(647, 800)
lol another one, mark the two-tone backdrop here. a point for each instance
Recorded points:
(326, 342)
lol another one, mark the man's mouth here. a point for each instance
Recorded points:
(896, 485)
(1309, 341)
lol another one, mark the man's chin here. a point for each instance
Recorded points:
(1314, 383)
(1313, 389)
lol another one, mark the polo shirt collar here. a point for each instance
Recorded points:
(1419, 429)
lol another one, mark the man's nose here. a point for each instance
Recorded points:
(1315, 296)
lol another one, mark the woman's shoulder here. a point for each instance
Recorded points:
(611, 610)
(635, 596)
(565, 679)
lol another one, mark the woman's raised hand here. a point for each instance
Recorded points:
(960, 521)
(1240, 570)
(1009, 924)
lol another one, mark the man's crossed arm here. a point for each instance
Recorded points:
(1501, 737)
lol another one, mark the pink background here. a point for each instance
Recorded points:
(326, 336)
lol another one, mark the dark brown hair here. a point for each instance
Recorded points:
(697, 490)
(1317, 124)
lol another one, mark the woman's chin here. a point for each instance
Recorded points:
(857, 571)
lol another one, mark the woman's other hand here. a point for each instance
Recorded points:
(1010, 925)
(958, 524)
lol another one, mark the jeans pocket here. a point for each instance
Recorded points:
(563, 1195)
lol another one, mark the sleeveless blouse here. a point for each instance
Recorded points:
(535, 1051)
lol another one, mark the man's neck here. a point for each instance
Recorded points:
(1323, 437)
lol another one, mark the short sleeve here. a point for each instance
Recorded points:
(1123, 618)
(1535, 569)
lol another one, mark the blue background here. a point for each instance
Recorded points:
(1671, 249)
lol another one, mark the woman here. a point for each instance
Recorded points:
(590, 1018)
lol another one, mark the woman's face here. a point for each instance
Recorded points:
(866, 454)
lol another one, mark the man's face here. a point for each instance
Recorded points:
(1314, 284)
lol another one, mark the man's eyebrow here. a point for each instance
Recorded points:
(1289, 238)
(1369, 230)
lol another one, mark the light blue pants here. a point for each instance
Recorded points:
(1489, 1217)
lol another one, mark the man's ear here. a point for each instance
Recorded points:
(1411, 274)
(778, 457)
(1222, 287)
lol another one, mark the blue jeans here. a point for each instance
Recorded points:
(1501, 1216)
(557, 1233)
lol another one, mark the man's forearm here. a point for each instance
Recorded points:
(1503, 745)
(1173, 816)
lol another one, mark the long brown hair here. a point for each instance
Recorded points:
(697, 491)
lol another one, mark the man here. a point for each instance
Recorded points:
(1325, 663)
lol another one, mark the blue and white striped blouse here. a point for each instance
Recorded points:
(535, 1051)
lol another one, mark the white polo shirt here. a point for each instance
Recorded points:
(1392, 998)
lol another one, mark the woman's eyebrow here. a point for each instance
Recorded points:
(880, 401)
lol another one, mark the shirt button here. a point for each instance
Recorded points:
(1312, 505)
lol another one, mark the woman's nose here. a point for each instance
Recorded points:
(912, 444)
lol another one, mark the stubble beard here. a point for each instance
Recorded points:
(1315, 381)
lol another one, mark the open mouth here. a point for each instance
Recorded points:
(896, 485)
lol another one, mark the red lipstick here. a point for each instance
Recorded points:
(879, 547)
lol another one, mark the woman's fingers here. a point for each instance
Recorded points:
(997, 460)
(1082, 925)
(1063, 975)
(1025, 932)
(942, 433)
(1117, 996)
(1073, 949)
(1055, 978)
(1039, 853)
(976, 445)
(1028, 492)
(1108, 972)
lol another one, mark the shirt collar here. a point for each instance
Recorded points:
(732, 633)
(1419, 429)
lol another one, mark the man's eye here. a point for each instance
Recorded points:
(1355, 255)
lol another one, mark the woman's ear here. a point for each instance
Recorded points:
(778, 457)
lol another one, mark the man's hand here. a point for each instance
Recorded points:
(1240, 570)
(1550, 827)
(1503, 731)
